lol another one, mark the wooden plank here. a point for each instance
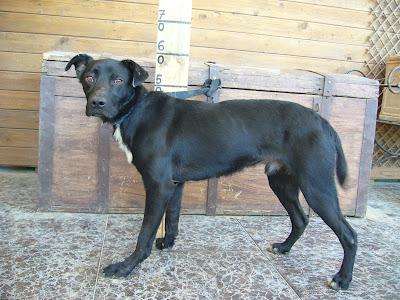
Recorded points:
(103, 167)
(108, 10)
(46, 148)
(19, 81)
(270, 80)
(272, 60)
(28, 42)
(278, 45)
(347, 117)
(384, 173)
(15, 156)
(75, 186)
(272, 26)
(344, 85)
(19, 100)
(10, 137)
(28, 23)
(25, 62)
(362, 5)
(285, 10)
(23, 119)
(290, 10)
(367, 149)
(233, 94)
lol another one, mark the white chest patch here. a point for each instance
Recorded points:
(122, 146)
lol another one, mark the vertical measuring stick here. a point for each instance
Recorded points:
(173, 45)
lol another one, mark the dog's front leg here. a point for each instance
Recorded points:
(157, 196)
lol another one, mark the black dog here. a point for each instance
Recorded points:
(171, 141)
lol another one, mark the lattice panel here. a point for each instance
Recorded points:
(385, 41)
(389, 137)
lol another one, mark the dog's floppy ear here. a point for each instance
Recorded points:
(80, 62)
(139, 74)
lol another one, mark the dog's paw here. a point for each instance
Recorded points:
(120, 269)
(278, 248)
(165, 243)
(338, 283)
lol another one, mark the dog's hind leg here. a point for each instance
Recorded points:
(171, 219)
(318, 186)
(286, 189)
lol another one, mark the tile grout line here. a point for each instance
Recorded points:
(101, 255)
(266, 255)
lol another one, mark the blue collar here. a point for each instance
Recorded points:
(122, 118)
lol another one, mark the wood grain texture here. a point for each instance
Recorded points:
(25, 62)
(362, 5)
(367, 149)
(384, 173)
(16, 156)
(348, 117)
(202, 19)
(10, 137)
(27, 43)
(225, 44)
(75, 186)
(291, 10)
(312, 12)
(19, 81)
(287, 28)
(19, 100)
(46, 142)
(22, 119)
(201, 38)
(103, 167)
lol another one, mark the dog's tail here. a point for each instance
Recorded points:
(341, 164)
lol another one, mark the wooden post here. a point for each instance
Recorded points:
(173, 45)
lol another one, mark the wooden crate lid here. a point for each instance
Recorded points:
(237, 77)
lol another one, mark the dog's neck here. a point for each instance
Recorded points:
(136, 97)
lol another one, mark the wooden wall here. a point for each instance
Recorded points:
(324, 36)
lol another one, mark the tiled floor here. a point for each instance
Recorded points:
(59, 255)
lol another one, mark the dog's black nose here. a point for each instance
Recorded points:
(98, 103)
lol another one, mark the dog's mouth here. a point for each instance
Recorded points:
(93, 114)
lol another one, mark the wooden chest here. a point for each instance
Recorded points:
(82, 169)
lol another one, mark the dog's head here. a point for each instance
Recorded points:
(108, 84)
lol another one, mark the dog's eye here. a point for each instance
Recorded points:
(89, 79)
(117, 81)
